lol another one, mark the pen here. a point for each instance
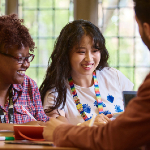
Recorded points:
(92, 120)
(27, 112)
(117, 113)
(4, 138)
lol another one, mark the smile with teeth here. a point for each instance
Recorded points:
(87, 66)
(21, 72)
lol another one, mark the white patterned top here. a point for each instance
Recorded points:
(111, 84)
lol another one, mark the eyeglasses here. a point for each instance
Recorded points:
(20, 60)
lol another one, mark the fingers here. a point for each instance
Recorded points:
(103, 118)
(41, 123)
(47, 134)
(99, 123)
(50, 127)
(109, 115)
(100, 118)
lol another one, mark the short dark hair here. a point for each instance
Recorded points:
(59, 67)
(13, 33)
(142, 10)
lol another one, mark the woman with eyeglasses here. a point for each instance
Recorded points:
(20, 101)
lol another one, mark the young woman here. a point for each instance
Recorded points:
(78, 82)
(20, 101)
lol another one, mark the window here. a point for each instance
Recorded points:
(116, 20)
(127, 51)
(2, 7)
(45, 21)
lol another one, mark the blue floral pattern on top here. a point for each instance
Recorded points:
(110, 98)
(89, 118)
(106, 112)
(86, 108)
(95, 104)
(117, 108)
(103, 104)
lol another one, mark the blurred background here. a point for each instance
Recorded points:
(115, 18)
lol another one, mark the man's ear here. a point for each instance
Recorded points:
(146, 29)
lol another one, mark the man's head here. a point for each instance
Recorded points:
(142, 14)
(142, 10)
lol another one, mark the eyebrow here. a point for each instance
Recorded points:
(80, 47)
(18, 55)
(94, 46)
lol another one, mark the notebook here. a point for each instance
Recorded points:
(28, 132)
(127, 96)
(27, 142)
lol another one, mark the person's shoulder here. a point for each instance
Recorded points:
(144, 89)
(107, 71)
(148, 77)
(51, 92)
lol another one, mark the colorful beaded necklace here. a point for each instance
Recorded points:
(77, 100)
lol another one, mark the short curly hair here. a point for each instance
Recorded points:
(13, 33)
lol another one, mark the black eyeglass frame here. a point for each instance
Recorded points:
(23, 59)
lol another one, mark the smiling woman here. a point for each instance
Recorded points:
(17, 89)
(78, 82)
(16, 72)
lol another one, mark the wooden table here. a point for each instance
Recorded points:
(4, 146)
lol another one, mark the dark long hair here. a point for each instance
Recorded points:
(59, 67)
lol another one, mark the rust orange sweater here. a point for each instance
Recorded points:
(128, 131)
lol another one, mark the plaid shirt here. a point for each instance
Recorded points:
(28, 96)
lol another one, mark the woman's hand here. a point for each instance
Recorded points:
(49, 128)
(100, 119)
